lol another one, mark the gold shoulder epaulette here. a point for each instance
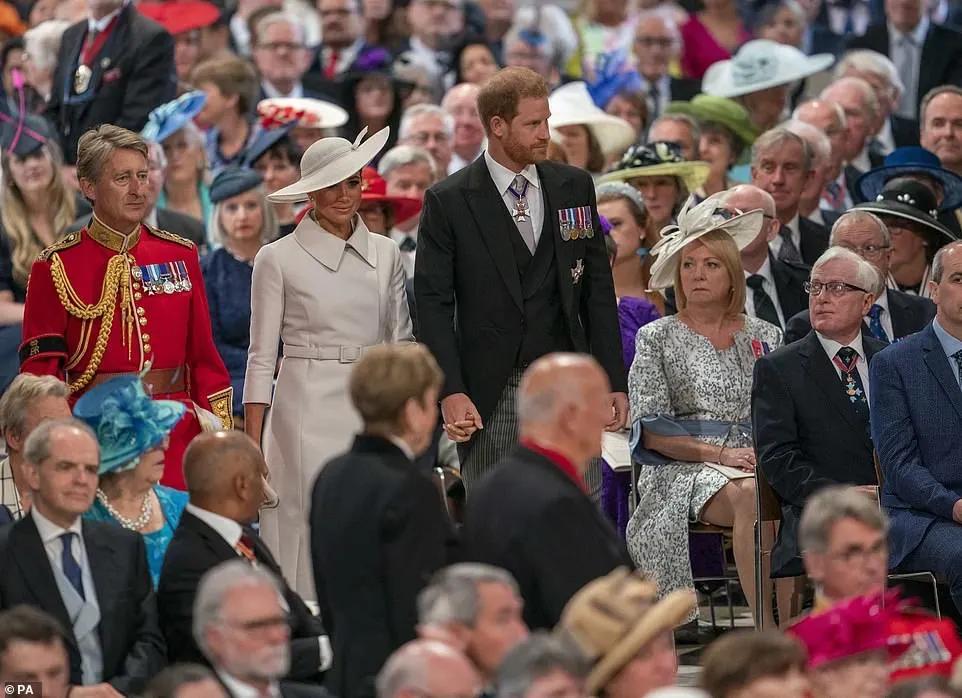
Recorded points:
(68, 240)
(172, 237)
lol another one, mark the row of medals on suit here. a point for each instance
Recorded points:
(167, 285)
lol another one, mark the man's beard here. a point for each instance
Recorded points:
(520, 154)
(268, 664)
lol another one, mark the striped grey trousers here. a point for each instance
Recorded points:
(499, 436)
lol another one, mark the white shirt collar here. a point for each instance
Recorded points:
(399, 235)
(917, 34)
(862, 160)
(831, 347)
(100, 24)
(793, 226)
(238, 689)
(503, 177)
(49, 531)
(403, 445)
(817, 216)
(228, 529)
(883, 300)
(272, 92)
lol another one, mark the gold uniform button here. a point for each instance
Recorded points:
(136, 286)
(143, 321)
(146, 337)
(141, 311)
(138, 296)
(147, 348)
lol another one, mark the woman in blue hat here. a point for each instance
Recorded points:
(132, 431)
(242, 222)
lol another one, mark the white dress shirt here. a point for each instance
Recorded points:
(899, 54)
(886, 317)
(407, 256)
(776, 245)
(52, 542)
(271, 92)
(458, 163)
(98, 25)
(831, 348)
(345, 57)
(664, 94)
(862, 161)
(503, 177)
(768, 285)
(238, 689)
(817, 216)
(838, 18)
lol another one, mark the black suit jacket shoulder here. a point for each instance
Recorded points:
(814, 240)
(530, 518)
(133, 74)
(468, 290)
(195, 549)
(807, 434)
(684, 89)
(183, 225)
(790, 278)
(372, 552)
(131, 642)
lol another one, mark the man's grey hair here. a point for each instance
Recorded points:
(685, 119)
(37, 447)
(866, 275)
(834, 106)
(272, 18)
(869, 99)
(938, 263)
(818, 142)
(16, 401)
(536, 657)
(830, 505)
(418, 110)
(852, 217)
(409, 666)
(42, 43)
(214, 587)
(401, 155)
(873, 63)
(452, 596)
(774, 138)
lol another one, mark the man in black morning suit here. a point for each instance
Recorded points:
(91, 576)
(223, 474)
(810, 414)
(895, 314)
(511, 265)
(112, 68)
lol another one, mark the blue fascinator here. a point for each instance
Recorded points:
(127, 422)
(169, 118)
(613, 75)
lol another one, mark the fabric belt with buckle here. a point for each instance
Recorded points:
(344, 355)
(158, 381)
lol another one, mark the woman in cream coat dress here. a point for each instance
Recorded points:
(327, 292)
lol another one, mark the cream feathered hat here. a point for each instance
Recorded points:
(694, 221)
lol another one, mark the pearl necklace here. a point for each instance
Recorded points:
(138, 524)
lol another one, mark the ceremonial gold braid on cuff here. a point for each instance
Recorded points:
(221, 404)
(118, 269)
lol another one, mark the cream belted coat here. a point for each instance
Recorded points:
(326, 299)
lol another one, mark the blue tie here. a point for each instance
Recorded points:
(71, 568)
(875, 323)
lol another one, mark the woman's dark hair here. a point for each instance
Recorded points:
(377, 66)
(736, 144)
(459, 50)
(8, 47)
(596, 157)
(285, 149)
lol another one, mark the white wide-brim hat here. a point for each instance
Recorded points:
(761, 64)
(694, 221)
(571, 105)
(329, 161)
(304, 111)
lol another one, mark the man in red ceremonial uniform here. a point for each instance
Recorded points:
(121, 297)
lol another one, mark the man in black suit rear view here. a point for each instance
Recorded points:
(899, 314)
(378, 527)
(241, 624)
(223, 473)
(91, 576)
(531, 514)
(782, 166)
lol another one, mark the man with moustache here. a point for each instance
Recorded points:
(511, 265)
(121, 297)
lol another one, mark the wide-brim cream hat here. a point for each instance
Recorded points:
(695, 221)
(615, 616)
(571, 105)
(329, 161)
(761, 64)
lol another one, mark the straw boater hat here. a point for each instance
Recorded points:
(694, 222)
(615, 616)
(658, 159)
(332, 160)
(761, 64)
(571, 105)
(910, 201)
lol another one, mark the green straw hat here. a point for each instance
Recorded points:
(721, 110)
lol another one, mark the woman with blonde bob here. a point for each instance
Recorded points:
(690, 391)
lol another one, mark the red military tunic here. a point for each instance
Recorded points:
(149, 286)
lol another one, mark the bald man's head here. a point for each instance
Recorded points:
(748, 197)
(221, 469)
(427, 667)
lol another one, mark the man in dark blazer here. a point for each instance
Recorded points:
(112, 68)
(223, 473)
(782, 165)
(938, 52)
(657, 44)
(899, 314)
(917, 431)
(531, 514)
(91, 576)
(809, 403)
(378, 528)
(511, 265)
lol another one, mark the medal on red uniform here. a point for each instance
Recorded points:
(167, 277)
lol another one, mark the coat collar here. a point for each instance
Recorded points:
(112, 239)
(328, 249)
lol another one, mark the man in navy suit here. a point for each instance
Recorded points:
(916, 416)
